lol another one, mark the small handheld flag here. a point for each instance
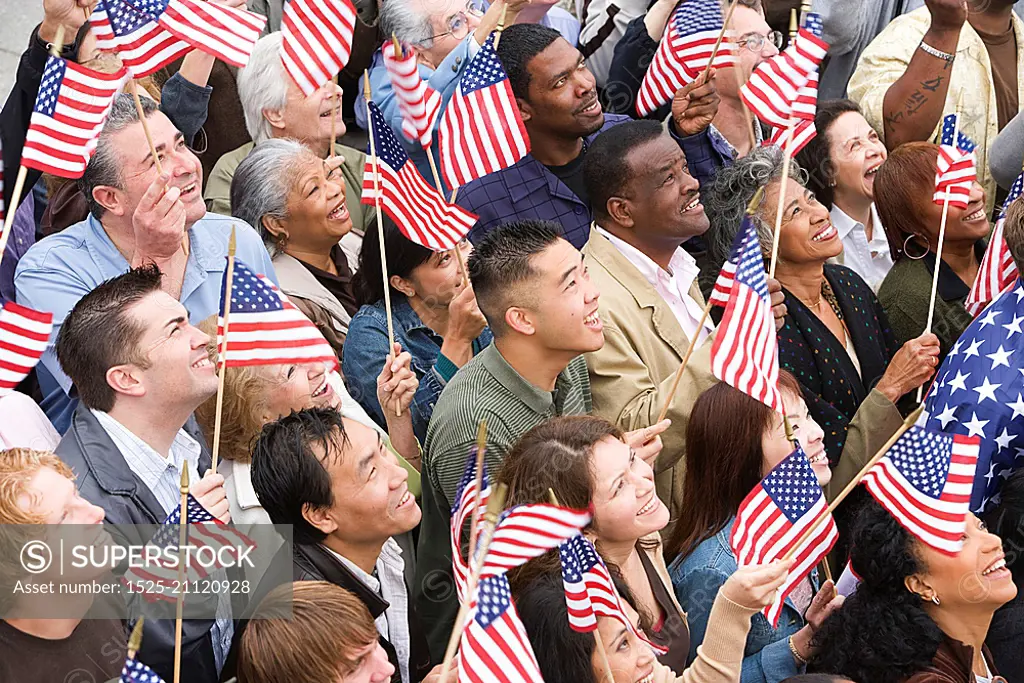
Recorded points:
(142, 44)
(494, 647)
(24, 335)
(419, 103)
(317, 40)
(227, 33)
(957, 167)
(997, 271)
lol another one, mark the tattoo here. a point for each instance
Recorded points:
(933, 84)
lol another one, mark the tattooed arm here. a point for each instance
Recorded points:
(913, 104)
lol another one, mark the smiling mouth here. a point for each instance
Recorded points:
(826, 233)
(593, 320)
(648, 678)
(340, 212)
(590, 108)
(996, 568)
(202, 363)
(321, 390)
(821, 457)
(406, 499)
(975, 216)
(649, 507)
(693, 204)
(870, 173)
(189, 189)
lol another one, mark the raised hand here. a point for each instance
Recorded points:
(695, 105)
(159, 222)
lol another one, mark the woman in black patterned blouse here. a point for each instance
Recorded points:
(836, 339)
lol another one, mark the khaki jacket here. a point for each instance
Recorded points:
(632, 374)
(298, 283)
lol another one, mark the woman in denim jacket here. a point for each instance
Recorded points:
(722, 467)
(434, 314)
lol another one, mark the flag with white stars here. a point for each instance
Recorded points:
(317, 40)
(925, 482)
(997, 271)
(227, 33)
(481, 131)
(494, 646)
(745, 352)
(142, 44)
(420, 212)
(684, 52)
(979, 391)
(589, 590)
(264, 327)
(957, 168)
(776, 515)
(466, 503)
(772, 92)
(71, 106)
(135, 671)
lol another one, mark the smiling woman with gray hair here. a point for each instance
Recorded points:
(836, 339)
(297, 202)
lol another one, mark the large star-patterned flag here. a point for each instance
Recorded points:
(997, 271)
(979, 391)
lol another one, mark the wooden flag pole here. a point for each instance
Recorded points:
(334, 119)
(380, 221)
(787, 155)
(718, 42)
(938, 247)
(501, 26)
(19, 182)
(751, 208)
(145, 126)
(907, 424)
(494, 508)
(135, 639)
(182, 541)
(601, 651)
(222, 351)
(481, 446)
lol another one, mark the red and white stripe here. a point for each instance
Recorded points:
(24, 335)
(463, 514)
(936, 522)
(145, 50)
(527, 531)
(996, 274)
(419, 103)
(227, 33)
(956, 175)
(500, 653)
(317, 40)
(773, 87)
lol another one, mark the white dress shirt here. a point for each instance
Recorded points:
(673, 285)
(393, 624)
(871, 260)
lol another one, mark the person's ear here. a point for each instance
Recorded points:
(275, 117)
(275, 226)
(111, 199)
(917, 584)
(124, 379)
(525, 110)
(422, 56)
(319, 518)
(402, 285)
(520, 320)
(620, 210)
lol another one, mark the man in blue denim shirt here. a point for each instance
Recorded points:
(136, 217)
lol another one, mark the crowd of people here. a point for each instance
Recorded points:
(561, 322)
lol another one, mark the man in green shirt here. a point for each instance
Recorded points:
(534, 290)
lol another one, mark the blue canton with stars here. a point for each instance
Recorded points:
(923, 457)
(386, 145)
(484, 71)
(493, 599)
(153, 8)
(123, 19)
(964, 143)
(135, 671)
(814, 24)
(167, 535)
(697, 16)
(980, 392)
(249, 294)
(578, 558)
(746, 253)
(793, 486)
(1015, 190)
(49, 86)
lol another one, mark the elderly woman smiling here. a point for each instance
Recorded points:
(836, 338)
(297, 203)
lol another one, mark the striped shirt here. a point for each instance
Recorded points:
(488, 388)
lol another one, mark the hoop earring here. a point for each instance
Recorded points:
(908, 254)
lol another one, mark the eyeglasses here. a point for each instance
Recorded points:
(755, 41)
(458, 24)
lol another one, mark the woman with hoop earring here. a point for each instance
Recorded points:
(904, 187)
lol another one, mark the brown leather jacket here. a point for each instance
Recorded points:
(952, 664)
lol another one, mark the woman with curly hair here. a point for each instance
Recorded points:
(918, 615)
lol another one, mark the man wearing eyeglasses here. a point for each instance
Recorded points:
(445, 35)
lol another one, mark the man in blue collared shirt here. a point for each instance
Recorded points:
(137, 216)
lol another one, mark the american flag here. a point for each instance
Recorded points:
(481, 131)
(142, 45)
(957, 167)
(462, 513)
(802, 129)
(979, 391)
(527, 531)
(227, 33)
(135, 671)
(589, 590)
(421, 213)
(773, 518)
(925, 482)
(317, 40)
(773, 88)
(997, 271)
(494, 647)
(24, 334)
(684, 52)
(745, 351)
(204, 530)
(419, 103)
(71, 106)
(264, 328)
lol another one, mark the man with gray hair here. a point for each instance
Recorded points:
(445, 35)
(137, 216)
(274, 107)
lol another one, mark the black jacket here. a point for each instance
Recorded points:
(312, 562)
(104, 479)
